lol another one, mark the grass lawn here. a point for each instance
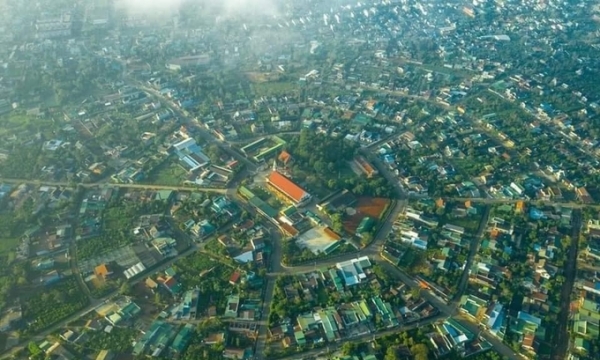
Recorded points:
(471, 224)
(271, 88)
(322, 295)
(171, 174)
(7, 245)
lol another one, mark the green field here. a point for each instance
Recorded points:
(7, 245)
(171, 174)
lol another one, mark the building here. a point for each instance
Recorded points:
(50, 27)
(103, 271)
(182, 338)
(105, 355)
(188, 62)
(288, 189)
(233, 304)
(365, 166)
(352, 271)
(584, 196)
(164, 245)
(190, 154)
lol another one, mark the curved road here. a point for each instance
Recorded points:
(372, 250)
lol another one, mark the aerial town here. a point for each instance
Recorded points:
(310, 179)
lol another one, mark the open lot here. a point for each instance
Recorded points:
(366, 206)
(7, 245)
(315, 240)
(169, 173)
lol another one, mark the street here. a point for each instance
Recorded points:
(372, 251)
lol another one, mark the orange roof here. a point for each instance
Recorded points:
(290, 230)
(440, 202)
(368, 169)
(286, 186)
(332, 234)
(520, 206)
(285, 157)
(102, 270)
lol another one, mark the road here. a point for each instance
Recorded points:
(275, 261)
(94, 303)
(206, 135)
(475, 244)
(561, 339)
(117, 185)
(372, 250)
(366, 337)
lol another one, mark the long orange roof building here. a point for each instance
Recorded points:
(287, 187)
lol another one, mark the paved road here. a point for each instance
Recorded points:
(475, 244)
(275, 261)
(366, 337)
(124, 186)
(94, 303)
(561, 340)
(206, 135)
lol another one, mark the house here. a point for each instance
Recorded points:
(202, 228)
(233, 304)
(288, 189)
(583, 195)
(118, 311)
(237, 354)
(151, 284)
(163, 245)
(352, 271)
(103, 271)
(182, 339)
(215, 338)
(235, 277)
(220, 204)
(50, 278)
(163, 195)
(285, 158)
(257, 244)
(582, 345)
(171, 284)
(105, 355)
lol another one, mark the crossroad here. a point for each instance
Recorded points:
(446, 309)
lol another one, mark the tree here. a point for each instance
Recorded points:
(420, 352)
(366, 239)
(34, 349)
(337, 223)
(125, 288)
(391, 354)
(349, 348)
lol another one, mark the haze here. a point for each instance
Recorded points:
(221, 8)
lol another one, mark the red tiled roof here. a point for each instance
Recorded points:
(284, 156)
(234, 277)
(170, 282)
(286, 186)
